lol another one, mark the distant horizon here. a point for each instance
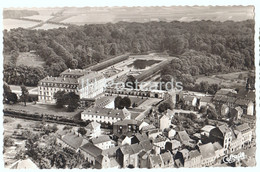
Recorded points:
(102, 15)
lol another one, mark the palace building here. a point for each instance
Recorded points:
(85, 83)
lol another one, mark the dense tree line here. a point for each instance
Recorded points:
(18, 13)
(201, 47)
(18, 75)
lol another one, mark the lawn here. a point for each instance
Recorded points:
(226, 80)
(26, 59)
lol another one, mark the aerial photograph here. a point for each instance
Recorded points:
(129, 87)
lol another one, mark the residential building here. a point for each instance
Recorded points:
(94, 128)
(24, 164)
(204, 101)
(246, 133)
(160, 141)
(155, 161)
(127, 155)
(167, 159)
(71, 140)
(126, 127)
(137, 138)
(165, 122)
(223, 135)
(104, 115)
(219, 150)
(90, 152)
(208, 154)
(103, 142)
(194, 160)
(190, 100)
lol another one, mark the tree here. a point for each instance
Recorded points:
(164, 106)
(130, 82)
(59, 96)
(117, 102)
(8, 141)
(18, 126)
(82, 131)
(25, 94)
(73, 101)
(125, 102)
(204, 86)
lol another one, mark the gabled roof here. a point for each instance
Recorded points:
(217, 146)
(225, 91)
(72, 140)
(148, 127)
(24, 164)
(156, 159)
(206, 99)
(91, 149)
(183, 136)
(101, 139)
(146, 145)
(224, 129)
(242, 102)
(159, 139)
(207, 150)
(189, 98)
(126, 122)
(93, 125)
(141, 137)
(246, 94)
(167, 156)
(194, 154)
(243, 128)
(117, 113)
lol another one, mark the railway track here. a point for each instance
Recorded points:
(46, 119)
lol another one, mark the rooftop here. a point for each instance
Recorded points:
(243, 128)
(91, 149)
(207, 150)
(118, 113)
(59, 80)
(126, 122)
(24, 164)
(72, 140)
(101, 139)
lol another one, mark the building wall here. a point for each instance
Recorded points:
(98, 118)
(46, 92)
(104, 145)
(193, 162)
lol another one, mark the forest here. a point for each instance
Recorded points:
(200, 47)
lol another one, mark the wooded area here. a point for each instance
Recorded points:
(201, 47)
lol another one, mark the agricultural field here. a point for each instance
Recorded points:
(9, 24)
(89, 18)
(227, 80)
(50, 26)
(39, 17)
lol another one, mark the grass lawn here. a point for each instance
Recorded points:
(26, 59)
(226, 80)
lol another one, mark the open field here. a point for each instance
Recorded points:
(89, 18)
(9, 24)
(25, 57)
(227, 80)
(50, 26)
(39, 17)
